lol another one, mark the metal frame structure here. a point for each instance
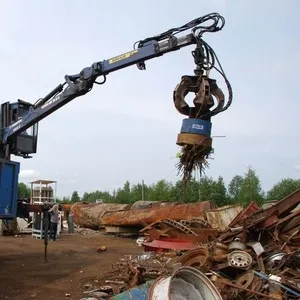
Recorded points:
(42, 184)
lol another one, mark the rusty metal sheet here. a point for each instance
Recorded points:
(143, 217)
(249, 210)
(283, 207)
(90, 215)
(175, 244)
(288, 222)
(221, 217)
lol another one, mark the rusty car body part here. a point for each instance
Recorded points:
(248, 211)
(143, 217)
(221, 217)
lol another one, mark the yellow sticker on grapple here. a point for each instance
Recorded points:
(122, 56)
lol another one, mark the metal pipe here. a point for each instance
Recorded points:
(276, 282)
(248, 290)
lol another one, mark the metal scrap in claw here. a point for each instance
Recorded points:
(193, 158)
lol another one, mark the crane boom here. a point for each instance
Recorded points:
(80, 84)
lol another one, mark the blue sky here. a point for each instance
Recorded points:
(127, 128)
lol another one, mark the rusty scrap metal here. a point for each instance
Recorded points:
(248, 211)
(143, 217)
(230, 258)
(168, 228)
(248, 290)
(237, 244)
(197, 258)
(221, 217)
(90, 215)
(283, 207)
(196, 222)
(180, 226)
(193, 157)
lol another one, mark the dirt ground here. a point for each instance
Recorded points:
(72, 262)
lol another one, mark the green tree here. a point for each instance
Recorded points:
(85, 197)
(97, 195)
(23, 190)
(75, 197)
(234, 187)
(161, 191)
(65, 200)
(250, 189)
(123, 194)
(205, 189)
(219, 192)
(180, 193)
(137, 192)
(283, 188)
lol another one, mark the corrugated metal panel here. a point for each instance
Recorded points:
(221, 217)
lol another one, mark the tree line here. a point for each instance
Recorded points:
(241, 189)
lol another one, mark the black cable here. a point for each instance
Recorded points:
(221, 71)
(195, 24)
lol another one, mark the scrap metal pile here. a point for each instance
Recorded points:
(258, 257)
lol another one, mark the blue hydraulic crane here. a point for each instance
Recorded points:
(19, 120)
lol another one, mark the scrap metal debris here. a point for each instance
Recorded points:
(193, 158)
(258, 257)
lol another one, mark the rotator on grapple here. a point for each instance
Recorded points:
(19, 120)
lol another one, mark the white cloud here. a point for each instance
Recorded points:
(26, 174)
(297, 167)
